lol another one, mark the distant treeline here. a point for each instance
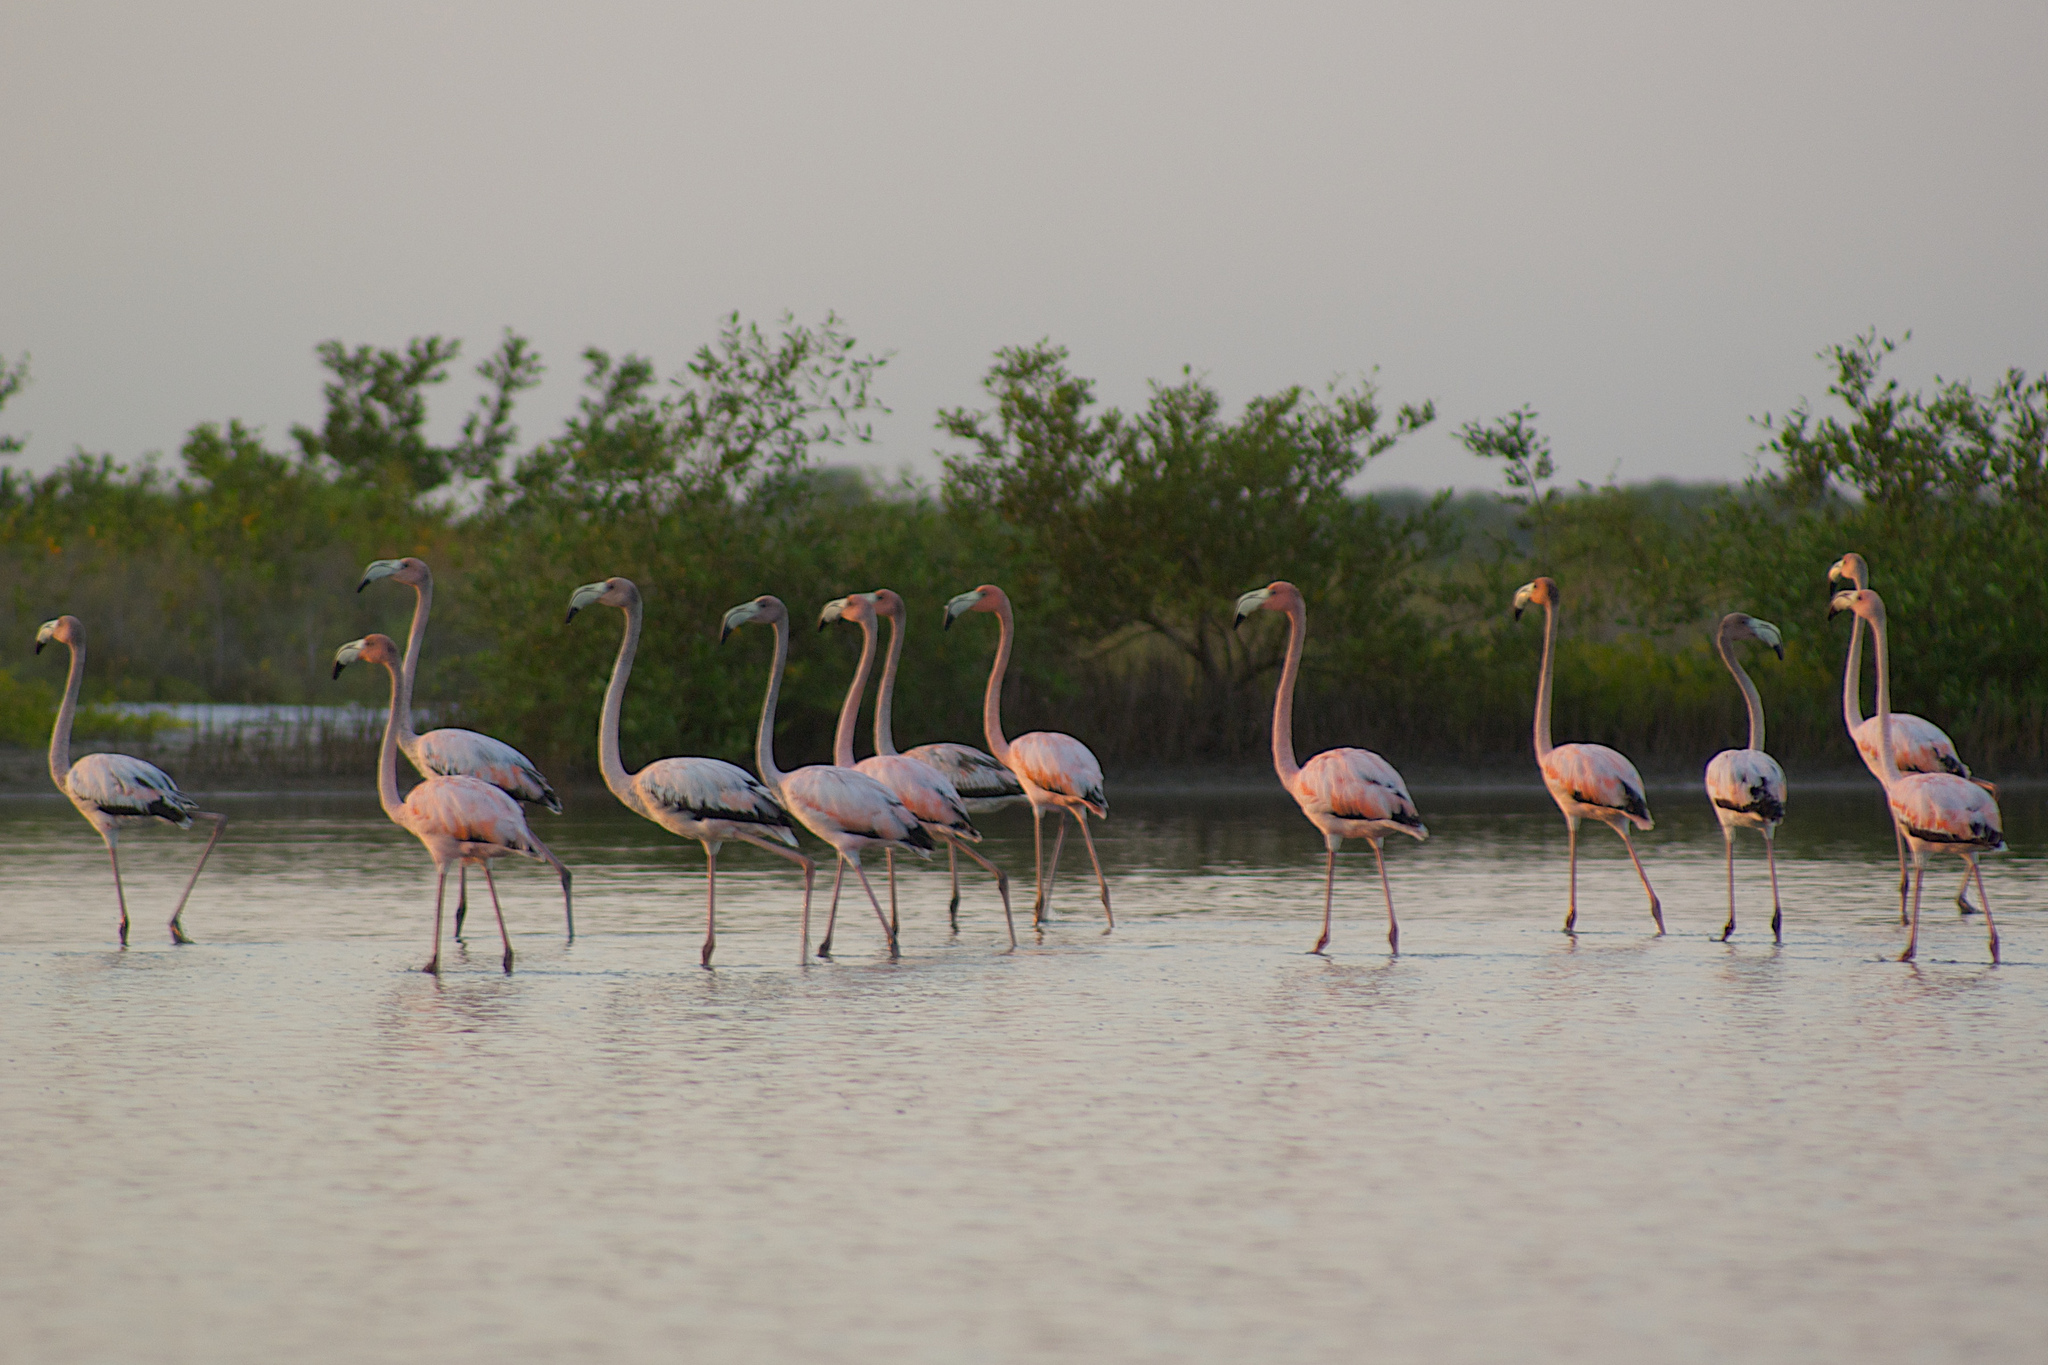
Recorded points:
(1124, 537)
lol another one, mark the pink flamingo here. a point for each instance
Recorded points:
(983, 783)
(457, 819)
(1588, 781)
(921, 787)
(461, 753)
(1937, 811)
(705, 799)
(1057, 771)
(846, 808)
(1918, 745)
(112, 790)
(1747, 786)
(1345, 793)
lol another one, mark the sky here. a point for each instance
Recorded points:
(1643, 219)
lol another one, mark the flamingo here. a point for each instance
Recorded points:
(1918, 745)
(845, 807)
(922, 787)
(1937, 811)
(1345, 793)
(983, 783)
(705, 799)
(461, 753)
(1588, 781)
(1057, 771)
(1747, 786)
(458, 819)
(112, 790)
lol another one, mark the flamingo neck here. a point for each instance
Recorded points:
(1543, 682)
(1749, 693)
(1888, 770)
(1283, 697)
(60, 733)
(387, 755)
(885, 698)
(992, 700)
(423, 604)
(608, 761)
(1852, 678)
(849, 712)
(764, 739)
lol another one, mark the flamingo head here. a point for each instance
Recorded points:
(410, 571)
(766, 609)
(1540, 593)
(987, 597)
(613, 592)
(371, 649)
(1862, 601)
(65, 630)
(1850, 569)
(855, 606)
(887, 603)
(1276, 596)
(1736, 626)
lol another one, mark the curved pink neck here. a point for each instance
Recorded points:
(60, 732)
(1283, 697)
(615, 775)
(764, 738)
(387, 756)
(849, 712)
(885, 699)
(1887, 769)
(423, 603)
(1543, 745)
(1749, 693)
(992, 700)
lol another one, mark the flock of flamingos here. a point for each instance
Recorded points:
(468, 809)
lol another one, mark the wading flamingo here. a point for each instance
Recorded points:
(928, 793)
(1345, 793)
(458, 819)
(1057, 771)
(1747, 786)
(1938, 811)
(846, 808)
(705, 799)
(461, 753)
(1588, 781)
(983, 783)
(1918, 745)
(112, 790)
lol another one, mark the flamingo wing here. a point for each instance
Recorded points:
(846, 800)
(1595, 775)
(975, 775)
(1062, 765)
(1357, 784)
(712, 789)
(120, 785)
(471, 810)
(1918, 746)
(924, 790)
(1747, 781)
(465, 753)
(1942, 808)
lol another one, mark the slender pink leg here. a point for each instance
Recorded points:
(1913, 934)
(1102, 882)
(490, 883)
(440, 895)
(1728, 837)
(1977, 872)
(1037, 866)
(832, 915)
(1052, 867)
(710, 904)
(889, 860)
(1963, 895)
(953, 909)
(1905, 879)
(1393, 928)
(120, 896)
(568, 905)
(220, 822)
(1656, 910)
(1332, 843)
(461, 898)
(1777, 914)
(861, 873)
(1571, 913)
(1002, 884)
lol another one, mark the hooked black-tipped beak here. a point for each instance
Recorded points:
(571, 616)
(40, 644)
(1779, 650)
(1834, 611)
(723, 631)
(1238, 619)
(338, 666)
(1518, 613)
(947, 625)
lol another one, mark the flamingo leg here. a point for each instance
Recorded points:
(1905, 880)
(710, 902)
(461, 898)
(120, 896)
(1331, 843)
(810, 868)
(1037, 866)
(1002, 884)
(1777, 914)
(1656, 909)
(568, 905)
(440, 894)
(220, 822)
(1913, 934)
(832, 915)
(1393, 927)
(889, 860)
(1101, 882)
(953, 909)
(1728, 838)
(503, 937)
(1571, 913)
(1963, 895)
(1052, 866)
(1974, 871)
(861, 873)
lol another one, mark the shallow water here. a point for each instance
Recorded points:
(1186, 1140)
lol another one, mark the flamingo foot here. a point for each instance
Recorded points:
(953, 912)
(178, 934)
(1657, 914)
(1321, 944)
(508, 962)
(1571, 917)
(433, 967)
(709, 944)
(1727, 932)
(1907, 956)
(825, 948)
(1994, 947)
(1394, 941)
(1963, 904)
(1777, 926)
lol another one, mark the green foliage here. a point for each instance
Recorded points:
(12, 378)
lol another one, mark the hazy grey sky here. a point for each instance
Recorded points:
(1642, 218)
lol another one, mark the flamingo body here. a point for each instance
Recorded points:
(465, 753)
(925, 792)
(471, 818)
(1941, 808)
(983, 783)
(116, 787)
(1918, 746)
(1058, 770)
(1356, 794)
(708, 798)
(1747, 788)
(1595, 782)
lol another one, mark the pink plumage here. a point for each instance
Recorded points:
(982, 781)
(1747, 782)
(1918, 746)
(1061, 765)
(1355, 786)
(1595, 775)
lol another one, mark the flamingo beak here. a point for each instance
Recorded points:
(347, 655)
(833, 611)
(737, 617)
(381, 568)
(964, 602)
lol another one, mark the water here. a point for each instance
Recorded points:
(1185, 1141)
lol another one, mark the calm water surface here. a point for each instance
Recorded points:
(1184, 1141)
